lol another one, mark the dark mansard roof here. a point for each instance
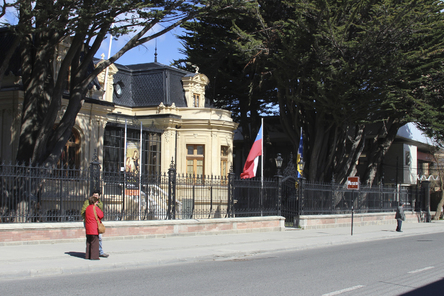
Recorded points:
(148, 85)
(142, 85)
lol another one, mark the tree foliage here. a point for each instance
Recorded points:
(82, 25)
(429, 111)
(348, 72)
(242, 88)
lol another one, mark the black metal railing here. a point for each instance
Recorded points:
(324, 198)
(255, 197)
(39, 194)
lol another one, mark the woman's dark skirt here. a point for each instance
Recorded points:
(92, 247)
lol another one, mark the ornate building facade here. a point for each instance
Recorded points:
(151, 115)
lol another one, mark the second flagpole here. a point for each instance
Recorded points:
(262, 163)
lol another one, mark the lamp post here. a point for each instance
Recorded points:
(279, 161)
(301, 166)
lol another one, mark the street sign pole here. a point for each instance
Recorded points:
(352, 184)
(353, 202)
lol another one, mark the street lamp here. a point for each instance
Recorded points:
(301, 165)
(278, 161)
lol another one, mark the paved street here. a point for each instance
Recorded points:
(67, 258)
(375, 261)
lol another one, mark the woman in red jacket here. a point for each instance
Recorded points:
(92, 231)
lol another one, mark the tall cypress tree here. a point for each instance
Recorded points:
(235, 85)
(348, 72)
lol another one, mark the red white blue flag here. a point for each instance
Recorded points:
(250, 166)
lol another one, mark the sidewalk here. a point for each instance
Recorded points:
(67, 258)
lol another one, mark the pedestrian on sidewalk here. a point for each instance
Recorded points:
(400, 216)
(97, 194)
(91, 228)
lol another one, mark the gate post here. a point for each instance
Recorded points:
(172, 191)
(333, 193)
(426, 185)
(300, 201)
(381, 200)
(94, 171)
(230, 201)
(279, 194)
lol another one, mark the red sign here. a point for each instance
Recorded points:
(353, 183)
(132, 192)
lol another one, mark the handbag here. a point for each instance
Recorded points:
(100, 225)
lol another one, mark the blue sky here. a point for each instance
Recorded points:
(167, 49)
(167, 45)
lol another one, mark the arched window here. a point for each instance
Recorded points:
(70, 157)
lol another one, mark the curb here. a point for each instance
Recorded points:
(216, 251)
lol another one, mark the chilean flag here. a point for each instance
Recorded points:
(250, 167)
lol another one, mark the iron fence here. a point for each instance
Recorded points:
(255, 197)
(165, 196)
(39, 194)
(323, 198)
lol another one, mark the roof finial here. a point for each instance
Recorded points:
(155, 52)
(194, 66)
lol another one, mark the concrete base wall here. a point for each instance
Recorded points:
(35, 233)
(328, 221)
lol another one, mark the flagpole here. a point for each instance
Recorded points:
(299, 155)
(262, 163)
(140, 169)
(124, 170)
(107, 68)
(300, 137)
(262, 149)
(124, 146)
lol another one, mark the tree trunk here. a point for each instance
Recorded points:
(7, 58)
(440, 204)
(380, 145)
(441, 186)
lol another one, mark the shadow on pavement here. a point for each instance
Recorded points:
(430, 289)
(76, 254)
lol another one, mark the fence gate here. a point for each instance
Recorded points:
(289, 208)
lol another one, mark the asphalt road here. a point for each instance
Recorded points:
(401, 266)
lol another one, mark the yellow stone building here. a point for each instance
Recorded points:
(143, 118)
(167, 104)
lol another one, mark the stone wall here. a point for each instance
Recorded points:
(36, 233)
(327, 221)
